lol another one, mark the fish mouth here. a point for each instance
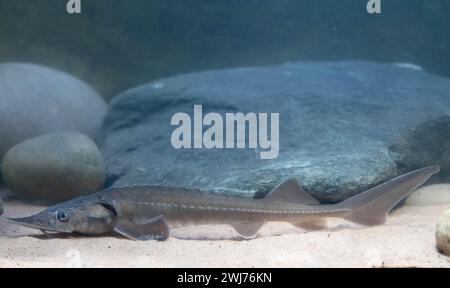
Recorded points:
(30, 222)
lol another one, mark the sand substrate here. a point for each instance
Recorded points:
(406, 240)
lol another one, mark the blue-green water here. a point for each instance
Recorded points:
(117, 44)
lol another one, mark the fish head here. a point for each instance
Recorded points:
(83, 218)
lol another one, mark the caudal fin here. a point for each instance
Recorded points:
(371, 207)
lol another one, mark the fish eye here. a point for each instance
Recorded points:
(63, 216)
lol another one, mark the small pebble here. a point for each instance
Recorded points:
(443, 233)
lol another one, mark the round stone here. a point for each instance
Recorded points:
(37, 100)
(54, 167)
(443, 233)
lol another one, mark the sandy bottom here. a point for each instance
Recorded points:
(406, 240)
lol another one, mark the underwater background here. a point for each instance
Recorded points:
(114, 45)
(87, 102)
(361, 97)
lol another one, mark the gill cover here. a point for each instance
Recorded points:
(85, 218)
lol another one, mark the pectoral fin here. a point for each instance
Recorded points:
(248, 229)
(155, 229)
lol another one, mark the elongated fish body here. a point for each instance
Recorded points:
(149, 212)
(182, 207)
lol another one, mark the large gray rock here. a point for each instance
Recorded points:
(54, 167)
(344, 127)
(36, 100)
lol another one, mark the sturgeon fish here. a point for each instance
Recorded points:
(149, 212)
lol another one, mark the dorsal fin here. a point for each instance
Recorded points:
(290, 191)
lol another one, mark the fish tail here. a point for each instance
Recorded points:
(371, 207)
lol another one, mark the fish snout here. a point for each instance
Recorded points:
(42, 221)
